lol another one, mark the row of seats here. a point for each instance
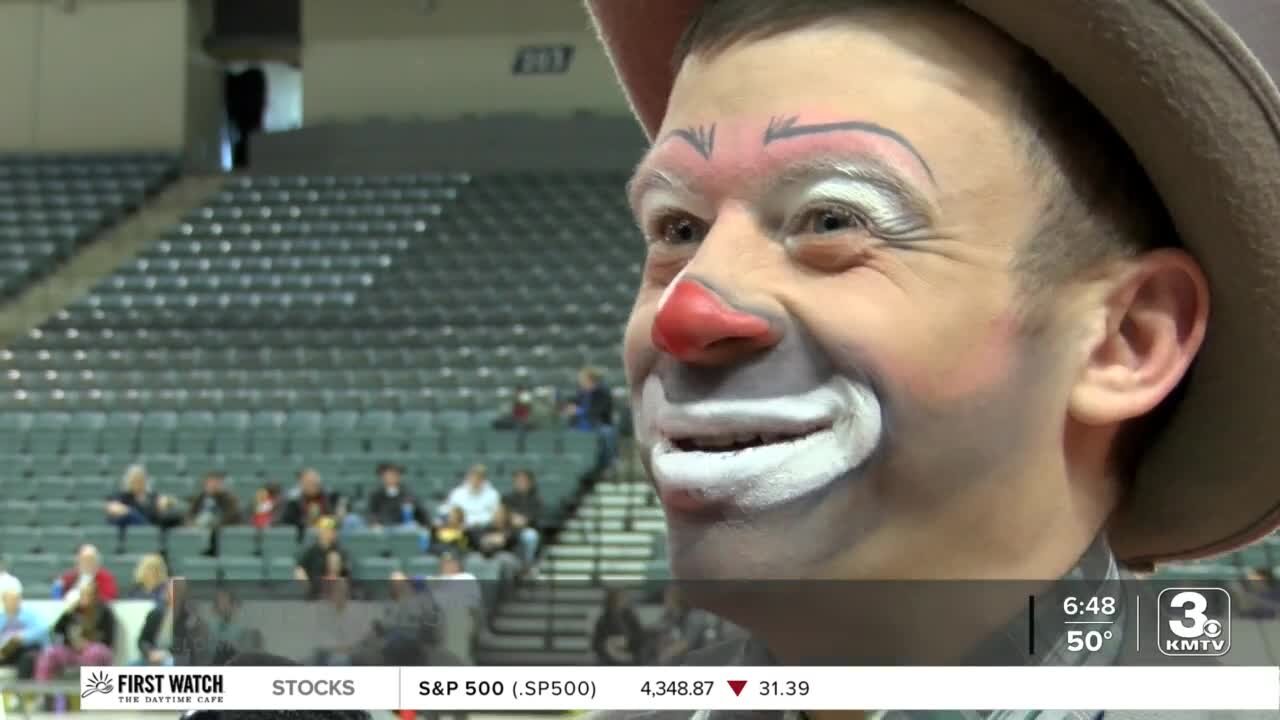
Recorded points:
(199, 365)
(460, 407)
(429, 375)
(266, 183)
(439, 285)
(50, 205)
(206, 439)
(314, 339)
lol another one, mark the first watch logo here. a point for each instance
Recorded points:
(98, 682)
(166, 689)
(1195, 622)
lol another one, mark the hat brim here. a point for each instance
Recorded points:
(1202, 115)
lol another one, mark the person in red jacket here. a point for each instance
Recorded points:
(89, 569)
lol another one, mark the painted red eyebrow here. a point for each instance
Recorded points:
(702, 138)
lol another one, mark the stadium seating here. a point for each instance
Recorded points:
(325, 321)
(51, 204)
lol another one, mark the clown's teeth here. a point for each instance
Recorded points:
(808, 441)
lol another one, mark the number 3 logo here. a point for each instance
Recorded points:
(1192, 624)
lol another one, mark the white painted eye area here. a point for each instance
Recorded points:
(827, 220)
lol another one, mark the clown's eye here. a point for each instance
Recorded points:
(678, 228)
(827, 220)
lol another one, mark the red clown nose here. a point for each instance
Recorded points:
(695, 325)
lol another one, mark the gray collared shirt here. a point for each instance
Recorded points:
(1097, 565)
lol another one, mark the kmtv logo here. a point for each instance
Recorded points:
(1195, 622)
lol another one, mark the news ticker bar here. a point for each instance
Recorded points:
(680, 688)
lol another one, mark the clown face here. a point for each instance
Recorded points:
(828, 366)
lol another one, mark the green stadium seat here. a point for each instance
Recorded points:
(196, 568)
(20, 512)
(373, 568)
(123, 567)
(239, 540)
(105, 537)
(280, 567)
(15, 540)
(56, 487)
(37, 572)
(59, 512)
(363, 544)
(421, 566)
(142, 539)
(404, 544)
(85, 464)
(242, 568)
(579, 445)
(181, 543)
(280, 542)
(541, 441)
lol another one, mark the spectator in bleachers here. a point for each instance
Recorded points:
(617, 637)
(324, 557)
(1259, 596)
(227, 636)
(84, 635)
(23, 633)
(406, 627)
(393, 505)
(88, 571)
(344, 629)
(498, 536)
(309, 502)
(592, 411)
(477, 499)
(150, 577)
(460, 602)
(525, 506)
(451, 533)
(156, 640)
(680, 630)
(521, 414)
(138, 504)
(215, 505)
(265, 500)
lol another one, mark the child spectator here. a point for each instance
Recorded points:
(264, 505)
(450, 535)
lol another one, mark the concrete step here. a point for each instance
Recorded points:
(619, 488)
(605, 537)
(650, 526)
(602, 512)
(543, 592)
(612, 552)
(557, 566)
(562, 626)
(630, 500)
(542, 610)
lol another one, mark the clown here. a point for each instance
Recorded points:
(928, 287)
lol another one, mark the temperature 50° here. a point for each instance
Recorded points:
(1090, 640)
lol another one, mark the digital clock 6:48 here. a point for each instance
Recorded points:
(1089, 606)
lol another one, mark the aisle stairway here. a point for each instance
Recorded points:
(613, 539)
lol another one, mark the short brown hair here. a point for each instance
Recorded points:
(1097, 201)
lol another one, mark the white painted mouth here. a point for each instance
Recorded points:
(755, 454)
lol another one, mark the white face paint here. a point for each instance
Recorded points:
(810, 440)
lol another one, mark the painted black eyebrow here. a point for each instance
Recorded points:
(783, 128)
(702, 138)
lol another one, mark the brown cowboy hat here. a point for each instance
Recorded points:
(1188, 84)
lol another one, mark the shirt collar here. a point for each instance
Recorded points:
(1095, 574)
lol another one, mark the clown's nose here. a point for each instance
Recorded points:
(695, 325)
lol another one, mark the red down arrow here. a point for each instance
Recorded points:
(737, 686)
